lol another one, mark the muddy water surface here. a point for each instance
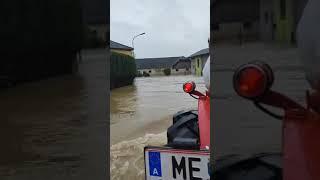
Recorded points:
(140, 115)
(53, 129)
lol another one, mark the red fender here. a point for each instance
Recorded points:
(301, 146)
(204, 120)
(301, 136)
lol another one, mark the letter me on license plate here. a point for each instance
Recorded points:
(165, 164)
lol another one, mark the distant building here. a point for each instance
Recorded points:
(155, 66)
(198, 61)
(120, 48)
(267, 20)
(234, 19)
(279, 19)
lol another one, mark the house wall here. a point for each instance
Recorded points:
(284, 30)
(193, 66)
(152, 72)
(180, 71)
(197, 64)
(298, 8)
(225, 11)
(231, 31)
(129, 53)
(279, 28)
(286, 26)
(229, 18)
(159, 72)
(267, 32)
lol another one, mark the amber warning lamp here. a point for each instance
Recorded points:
(253, 80)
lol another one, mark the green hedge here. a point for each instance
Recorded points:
(167, 72)
(122, 70)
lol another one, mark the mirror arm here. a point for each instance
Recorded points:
(278, 100)
(197, 93)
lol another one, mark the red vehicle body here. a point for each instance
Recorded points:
(301, 129)
(203, 117)
(204, 120)
(301, 132)
(301, 125)
(186, 154)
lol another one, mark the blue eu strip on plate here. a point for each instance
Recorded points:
(155, 164)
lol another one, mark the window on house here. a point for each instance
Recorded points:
(149, 71)
(177, 69)
(283, 9)
(187, 69)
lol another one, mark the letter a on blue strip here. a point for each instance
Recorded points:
(155, 164)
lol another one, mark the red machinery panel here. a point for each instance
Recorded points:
(204, 121)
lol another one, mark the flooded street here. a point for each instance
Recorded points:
(140, 115)
(49, 128)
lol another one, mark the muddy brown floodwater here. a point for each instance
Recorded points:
(140, 115)
(50, 129)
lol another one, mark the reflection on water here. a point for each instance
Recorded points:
(140, 116)
(123, 103)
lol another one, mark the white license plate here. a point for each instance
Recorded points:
(163, 163)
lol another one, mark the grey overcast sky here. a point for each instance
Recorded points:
(172, 27)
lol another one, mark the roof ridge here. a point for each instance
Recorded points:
(123, 46)
(198, 52)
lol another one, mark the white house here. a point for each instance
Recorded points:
(156, 66)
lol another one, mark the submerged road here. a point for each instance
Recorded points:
(140, 115)
(56, 128)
